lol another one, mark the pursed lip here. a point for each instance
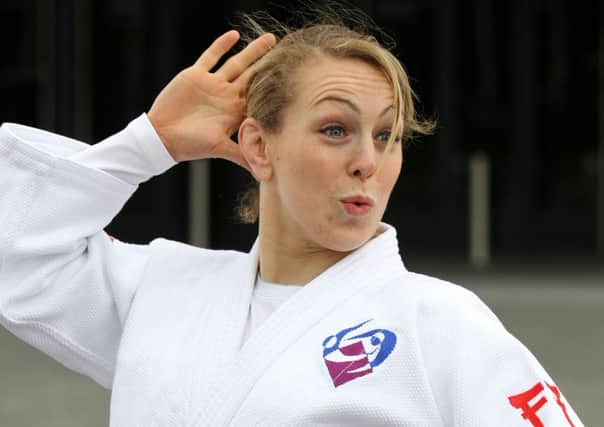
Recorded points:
(358, 200)
(357, 206)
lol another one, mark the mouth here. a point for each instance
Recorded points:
(357, 205)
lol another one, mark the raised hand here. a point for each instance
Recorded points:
(198, 111)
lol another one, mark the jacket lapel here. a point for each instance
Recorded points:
(373, 264)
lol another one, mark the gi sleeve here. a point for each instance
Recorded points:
(481, 375)
(65, 285)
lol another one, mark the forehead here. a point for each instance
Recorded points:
(352, 78)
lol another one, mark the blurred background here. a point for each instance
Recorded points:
(507, 198)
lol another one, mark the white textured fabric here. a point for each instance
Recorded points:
(266, 298)
(134, 155)
(365, 343)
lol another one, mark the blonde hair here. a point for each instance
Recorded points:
(271, 85)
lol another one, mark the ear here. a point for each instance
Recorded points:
(254, 148)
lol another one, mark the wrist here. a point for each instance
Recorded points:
(161, 134)
(169, 148)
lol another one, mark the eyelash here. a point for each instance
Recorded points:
(325, 131)
(387, 133)
(329, 128)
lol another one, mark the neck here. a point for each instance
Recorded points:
(292, 262)
(286, 257)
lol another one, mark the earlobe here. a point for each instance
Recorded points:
(254, 148)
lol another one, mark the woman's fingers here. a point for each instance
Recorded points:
(210, 57)
(239, 63)
(242, 81)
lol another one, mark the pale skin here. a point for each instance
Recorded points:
(322, 194)
(198, 111)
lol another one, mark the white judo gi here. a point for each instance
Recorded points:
(366, 343)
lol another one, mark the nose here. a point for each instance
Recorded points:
(363, 161)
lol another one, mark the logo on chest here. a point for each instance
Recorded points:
(351, 354)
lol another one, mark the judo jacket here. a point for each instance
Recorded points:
(366, 343)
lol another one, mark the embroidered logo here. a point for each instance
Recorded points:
(349, 354)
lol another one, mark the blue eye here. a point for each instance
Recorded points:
(385, 135)
(333, 131)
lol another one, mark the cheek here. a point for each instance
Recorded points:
(390, 173)
(392, 167)
(314, 171)
(299, 176)
(312, 188)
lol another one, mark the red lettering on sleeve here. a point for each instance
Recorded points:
(556, 392)
(523, 400)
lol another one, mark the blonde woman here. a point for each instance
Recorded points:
(320, 323)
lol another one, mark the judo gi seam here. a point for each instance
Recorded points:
(15, 219)
(102, 371)
(60, 166)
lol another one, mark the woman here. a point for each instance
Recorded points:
(320, 323)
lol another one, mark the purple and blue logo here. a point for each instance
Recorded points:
(349, 354)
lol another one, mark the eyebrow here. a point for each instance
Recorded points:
(349, 103)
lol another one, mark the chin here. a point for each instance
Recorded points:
(346, 239)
